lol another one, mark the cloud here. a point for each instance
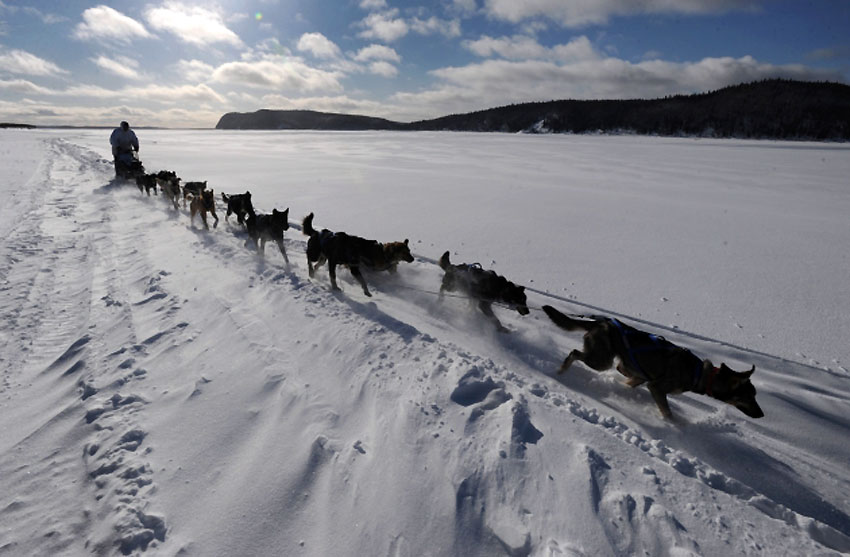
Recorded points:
(578, 13)
(373, 4)
(318, 45)
(522, 47)
(384, 26)
(498, 82)
(192, 24)
(177, 95)
(105, 23)
(447, 27)
(124, 67)
(279, 74)
(195, 70)
(46, 18)
(384, 69)
(24, 87)
(377, 52)
(464, 7)
(22, 62)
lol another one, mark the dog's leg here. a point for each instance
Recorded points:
(355, 270)
(204, 218)
(332, 273)
(261, 247)
(487, 308)
(568, 361)
(282, 250)
(215, 224)
(660, 398)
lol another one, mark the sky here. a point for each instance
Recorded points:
(184, 64)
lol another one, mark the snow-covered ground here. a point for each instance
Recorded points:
(165, 391)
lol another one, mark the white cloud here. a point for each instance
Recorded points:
(499, 82)
(103, 22)
(279, 74)
(433, 25)
(377, 52)
(194, 70)
(23, 87)
(177, 95)
(318, 45)
(382, 68)
(192, 24)
(22, 62)
(123, 67)
(577, 13)
(373, 4)
(384, 26)
(521, 47)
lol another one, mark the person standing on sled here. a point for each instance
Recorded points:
(124, 142)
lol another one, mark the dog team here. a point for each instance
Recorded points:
(643, 358)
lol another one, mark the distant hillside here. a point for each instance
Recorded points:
(770, 109)
(302, 120)
(11, 125)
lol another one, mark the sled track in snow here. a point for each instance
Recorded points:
(125, 321)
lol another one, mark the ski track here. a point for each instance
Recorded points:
(95, 307)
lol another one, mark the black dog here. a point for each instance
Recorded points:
(484, 286)
(238, 204)
(147, 182)
(339, 248)
(663, 366)
(262, 228)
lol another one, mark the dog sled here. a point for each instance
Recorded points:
(128, 165)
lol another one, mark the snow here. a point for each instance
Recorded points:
(166, 391)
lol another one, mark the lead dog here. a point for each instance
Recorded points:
(663, 366)
(484, 286)
(262, 228)
(339, 248)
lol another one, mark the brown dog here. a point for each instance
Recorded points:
(205, 203)
(663, 366)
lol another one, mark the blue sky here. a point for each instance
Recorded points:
(184, 64)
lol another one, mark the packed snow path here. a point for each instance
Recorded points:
(166, 391)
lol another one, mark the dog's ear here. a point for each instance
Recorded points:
(405, 241)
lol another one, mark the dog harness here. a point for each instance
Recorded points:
(658, 343)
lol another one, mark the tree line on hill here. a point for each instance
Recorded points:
(768, 109)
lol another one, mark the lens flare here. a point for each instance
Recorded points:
(258, 16)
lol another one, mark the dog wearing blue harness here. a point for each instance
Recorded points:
(664, 367)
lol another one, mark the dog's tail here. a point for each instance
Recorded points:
(567, 323)
(307, 225)
(444, 261)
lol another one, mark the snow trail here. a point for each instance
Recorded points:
(173, 392)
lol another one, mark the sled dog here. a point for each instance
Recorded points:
(193, 189)
(262, 228)
(483, 286)
(664, 367)
(169, 183)
(238, 204)
(339, 248)
(204, 203)
(146, 183)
